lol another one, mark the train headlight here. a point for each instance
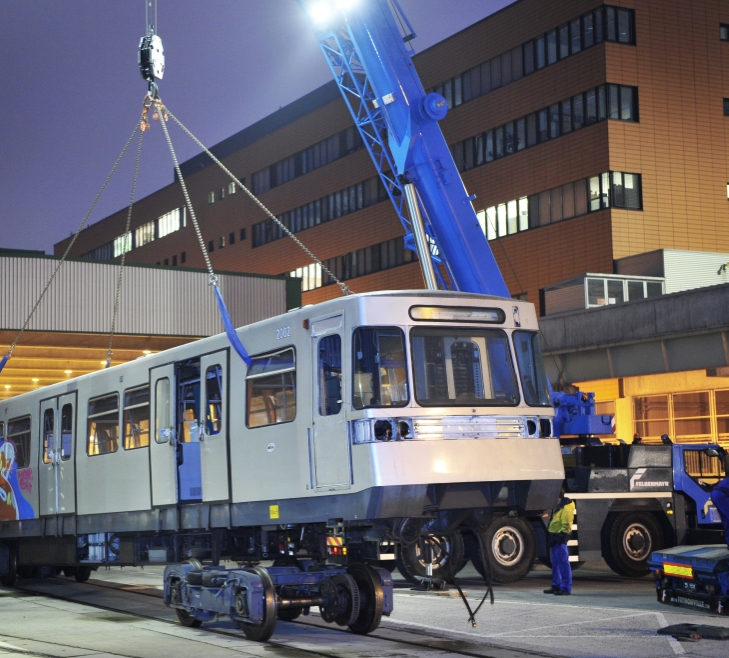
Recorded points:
(371, 430)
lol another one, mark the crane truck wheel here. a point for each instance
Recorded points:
(448, 560)
(511, 547)
(628, 540)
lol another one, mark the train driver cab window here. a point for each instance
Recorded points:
(136, 418)
(214, 400)
(380, 377)
(103, 425)
(16, 447)
(48, 435)
(469, 367)
(271, 389)
(531, 368)
(329, 375)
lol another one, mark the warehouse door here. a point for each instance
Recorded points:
(56, 468)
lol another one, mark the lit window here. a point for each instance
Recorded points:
(144, 234)
(103, 425)
(271, 389)
(171, 222)
(221, 193)
(232, 188)
(122, 244)
(221, 242)
(136, 418)
(211, 197)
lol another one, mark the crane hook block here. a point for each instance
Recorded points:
(151, 58)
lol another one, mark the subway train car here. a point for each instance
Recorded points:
(357, 418)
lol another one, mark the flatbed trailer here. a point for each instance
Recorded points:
(693, 577)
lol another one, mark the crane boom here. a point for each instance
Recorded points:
(398, 122)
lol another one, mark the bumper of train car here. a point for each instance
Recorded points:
(460, 461)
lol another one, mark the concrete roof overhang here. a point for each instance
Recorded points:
(682, 331)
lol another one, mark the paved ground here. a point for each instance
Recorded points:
(607, 616)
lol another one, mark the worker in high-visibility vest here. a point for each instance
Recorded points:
(560, 529)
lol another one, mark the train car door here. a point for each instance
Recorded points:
(56, 470)
(214, 426)
(328, 429)
(163, 446)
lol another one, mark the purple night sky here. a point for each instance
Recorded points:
(71, 93)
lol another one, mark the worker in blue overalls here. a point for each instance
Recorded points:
(559, 531)
(720, 498)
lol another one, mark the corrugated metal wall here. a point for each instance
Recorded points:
(153, 301)
(686, 270)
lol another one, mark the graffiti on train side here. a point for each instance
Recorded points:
(13, 506)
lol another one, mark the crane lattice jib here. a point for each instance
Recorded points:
(377, 78)
(359, 97)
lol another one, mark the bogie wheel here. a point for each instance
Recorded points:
(8, 579)
(82, 574)
(628, 541)
(261, 632)
(371, 598)
(186, 619)
(447, 561)
(511, 549)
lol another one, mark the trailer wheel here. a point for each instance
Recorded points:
(511, 547)
(448, 559)
(628, 541)
(82, 574)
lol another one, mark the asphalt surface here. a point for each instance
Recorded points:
(120, 614)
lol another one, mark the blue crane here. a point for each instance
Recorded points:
(398, 122)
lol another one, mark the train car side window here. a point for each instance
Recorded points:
(103, 425)
(48, 437)
(19, 444)
(66, 431)
(214, 400)
(271, 389)
(380, 376)
(329, 375)
(136, 418)
(162, 417)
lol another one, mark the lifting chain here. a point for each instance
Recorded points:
(127, 236)
(160, 109)
(9, 353)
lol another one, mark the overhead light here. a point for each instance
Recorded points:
(68, 372)
(103, 363)
(35, 379)
(146, 351)
(7, 386)
(321, 12)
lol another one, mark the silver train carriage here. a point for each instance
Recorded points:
(360, 421)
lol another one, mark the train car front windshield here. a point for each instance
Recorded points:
(463, 366)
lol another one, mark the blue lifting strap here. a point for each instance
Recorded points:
(3, 361)
(229, 329)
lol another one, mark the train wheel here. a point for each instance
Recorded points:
(447, 561)
(261, 632)
(628, 541)
(371, 598)
(186, 619)
(82, 574)
(8, 579)
(511, 547)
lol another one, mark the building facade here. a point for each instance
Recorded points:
(589, 131)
